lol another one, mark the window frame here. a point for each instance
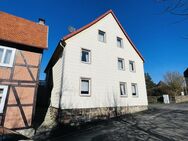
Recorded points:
(121, 42)
(5, 91)
(3, 56)
(104, 35)
(125, 85)
(136, 88)
(81, 94)
(134, 66)
(89, 51)
(123, 61)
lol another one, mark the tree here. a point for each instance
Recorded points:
(175, 82)
(150, 85)
(175, 7)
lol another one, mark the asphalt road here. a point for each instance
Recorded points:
(159, 123)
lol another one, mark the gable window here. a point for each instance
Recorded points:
(123, 91)
(85, 86)
(6, 56)
(121, 65)
(101, 36)
(119, 42)
(134, 89)
(132, 66)
(85, 56)
(3, 94)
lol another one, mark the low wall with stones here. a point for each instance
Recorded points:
(79, 116)
(180, 99)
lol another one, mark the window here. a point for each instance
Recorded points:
(121, 64)
(3, 94)
(85, 56)
(132, 66)
(134, 89)
(123, 91)
(6, 56)
(85, 86)
(119, 42)
(102, 36)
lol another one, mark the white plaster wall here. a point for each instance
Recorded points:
(56, 72)
(103, 70)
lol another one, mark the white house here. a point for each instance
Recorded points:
(96, 71)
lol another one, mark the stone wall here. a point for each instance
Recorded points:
(78, 116)
(180, 99)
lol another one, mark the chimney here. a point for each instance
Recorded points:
(41, 21)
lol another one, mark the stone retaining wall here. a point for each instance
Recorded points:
(180, 99)
(78, 116)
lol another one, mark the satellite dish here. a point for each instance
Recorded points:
(71, 29)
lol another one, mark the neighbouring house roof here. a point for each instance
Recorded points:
(98, 19)
(186, 73)
(21, 31)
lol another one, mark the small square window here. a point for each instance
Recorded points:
(119, 42)
(132, 66)
(101, 36)
(121, 65)
(85, 86)
(6, 56)
(123, 89)
(85, 56)
(134, 89)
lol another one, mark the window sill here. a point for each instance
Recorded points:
(135, 96)
(133, 71)
(86, 62)
(124, 96)
(6, 65)
(85, 95)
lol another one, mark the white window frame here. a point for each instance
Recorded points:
(84, 78)
(123, 61)
(86, 50)
(104, 35)
(121, 42)
(2, 103)
(3, 56)
(125, 84)
(135, 84)
(134, 67)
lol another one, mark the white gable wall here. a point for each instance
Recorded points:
(103, 70)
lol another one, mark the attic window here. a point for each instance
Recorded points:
(101, 36)
(119, 42)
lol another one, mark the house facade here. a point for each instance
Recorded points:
(21, 46)
(96, 71)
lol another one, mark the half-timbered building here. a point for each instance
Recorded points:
(21, 47)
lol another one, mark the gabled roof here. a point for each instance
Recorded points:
(95, 21)
(21, 31)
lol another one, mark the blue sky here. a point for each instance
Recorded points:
(157, 36)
